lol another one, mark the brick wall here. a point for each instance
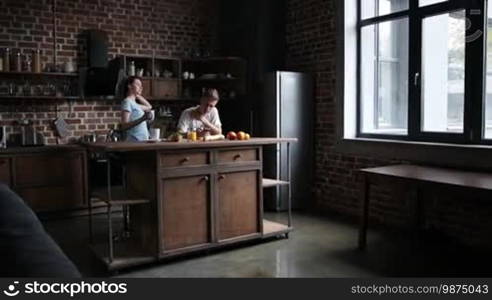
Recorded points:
(143, 27)
(311, 47)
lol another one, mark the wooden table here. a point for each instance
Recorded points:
(419, 177)
(188, 196)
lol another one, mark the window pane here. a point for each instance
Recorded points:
(443, 72)
(384, 77)
(429, 2)
(374, 8)
(488, 99)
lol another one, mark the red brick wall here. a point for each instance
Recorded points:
(143, 27)
(311, 47)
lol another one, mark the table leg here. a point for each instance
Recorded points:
(364, 221)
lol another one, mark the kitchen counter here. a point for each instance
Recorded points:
(165, 145)
(40, 149)
(185, 197)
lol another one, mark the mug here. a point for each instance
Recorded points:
(155, 133)
(152, 115)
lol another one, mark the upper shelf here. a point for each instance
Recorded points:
(3, 73)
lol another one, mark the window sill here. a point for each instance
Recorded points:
(440, 154)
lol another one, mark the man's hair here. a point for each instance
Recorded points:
(211, 93)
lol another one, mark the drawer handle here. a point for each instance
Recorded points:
(185, 160)
(237, 156)
(205, 178)
(222, 177)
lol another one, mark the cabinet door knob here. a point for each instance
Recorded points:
(237, 156)
(221, 177)
(205, 178)
(185, 160)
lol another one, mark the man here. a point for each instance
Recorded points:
(204, 118)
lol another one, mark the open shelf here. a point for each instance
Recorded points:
(118, 196)
(273, 228)
(267, 183)
(54, 98)
(57, 74)
(126, 254)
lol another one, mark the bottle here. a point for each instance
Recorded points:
(18, 62)
(37, 61)
(131, 69)
(6, 60)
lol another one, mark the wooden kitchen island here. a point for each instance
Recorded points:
(185, 197)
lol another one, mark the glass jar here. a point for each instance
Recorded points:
(192, 136)
(18, 62)
(37, 61)
(6, 60)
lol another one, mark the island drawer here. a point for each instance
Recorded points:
(240, 155)
(174, 160)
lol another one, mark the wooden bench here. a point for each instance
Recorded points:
(418, 177)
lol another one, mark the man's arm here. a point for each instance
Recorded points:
(214, 129)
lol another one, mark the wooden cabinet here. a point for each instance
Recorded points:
(238, 204)
(185, 212)
(47, 181)
(5, 170)
(164, 77)
(205, 199)
(192, 159)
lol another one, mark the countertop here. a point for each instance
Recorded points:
(165, 145)
(40, 149)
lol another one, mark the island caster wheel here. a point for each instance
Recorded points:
(287, 236)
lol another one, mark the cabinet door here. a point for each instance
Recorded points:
(185, 211)
(5, 170)
(51, 182)
(238, 204)
(163, 88)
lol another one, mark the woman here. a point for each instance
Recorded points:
(135, 111)
(203, 118)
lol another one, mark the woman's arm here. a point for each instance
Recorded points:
(127, 124)
(144, 104)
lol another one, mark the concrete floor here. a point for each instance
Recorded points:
(319, 247)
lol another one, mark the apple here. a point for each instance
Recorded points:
(248, 136)
(241, 135)
(231, 135)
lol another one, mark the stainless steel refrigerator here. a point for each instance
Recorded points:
(287, 110)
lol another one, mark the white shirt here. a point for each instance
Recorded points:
(187, 122)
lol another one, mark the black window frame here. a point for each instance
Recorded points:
(475, 71)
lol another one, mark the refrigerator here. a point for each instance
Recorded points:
(286, 110)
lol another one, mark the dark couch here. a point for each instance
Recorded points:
(26, 250)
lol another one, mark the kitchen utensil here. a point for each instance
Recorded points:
(3, 137)
(61, 126)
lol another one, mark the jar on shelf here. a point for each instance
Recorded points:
(131, 69)
(36, 64)
(18, 62)
(6, 60)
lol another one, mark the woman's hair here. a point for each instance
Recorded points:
(129, 81)
(211, 93)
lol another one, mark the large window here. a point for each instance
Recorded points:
(422, 72)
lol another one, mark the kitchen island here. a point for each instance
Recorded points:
(185, 197)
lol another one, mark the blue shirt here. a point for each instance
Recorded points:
(139, 132)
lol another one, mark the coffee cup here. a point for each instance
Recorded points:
(155, 133)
